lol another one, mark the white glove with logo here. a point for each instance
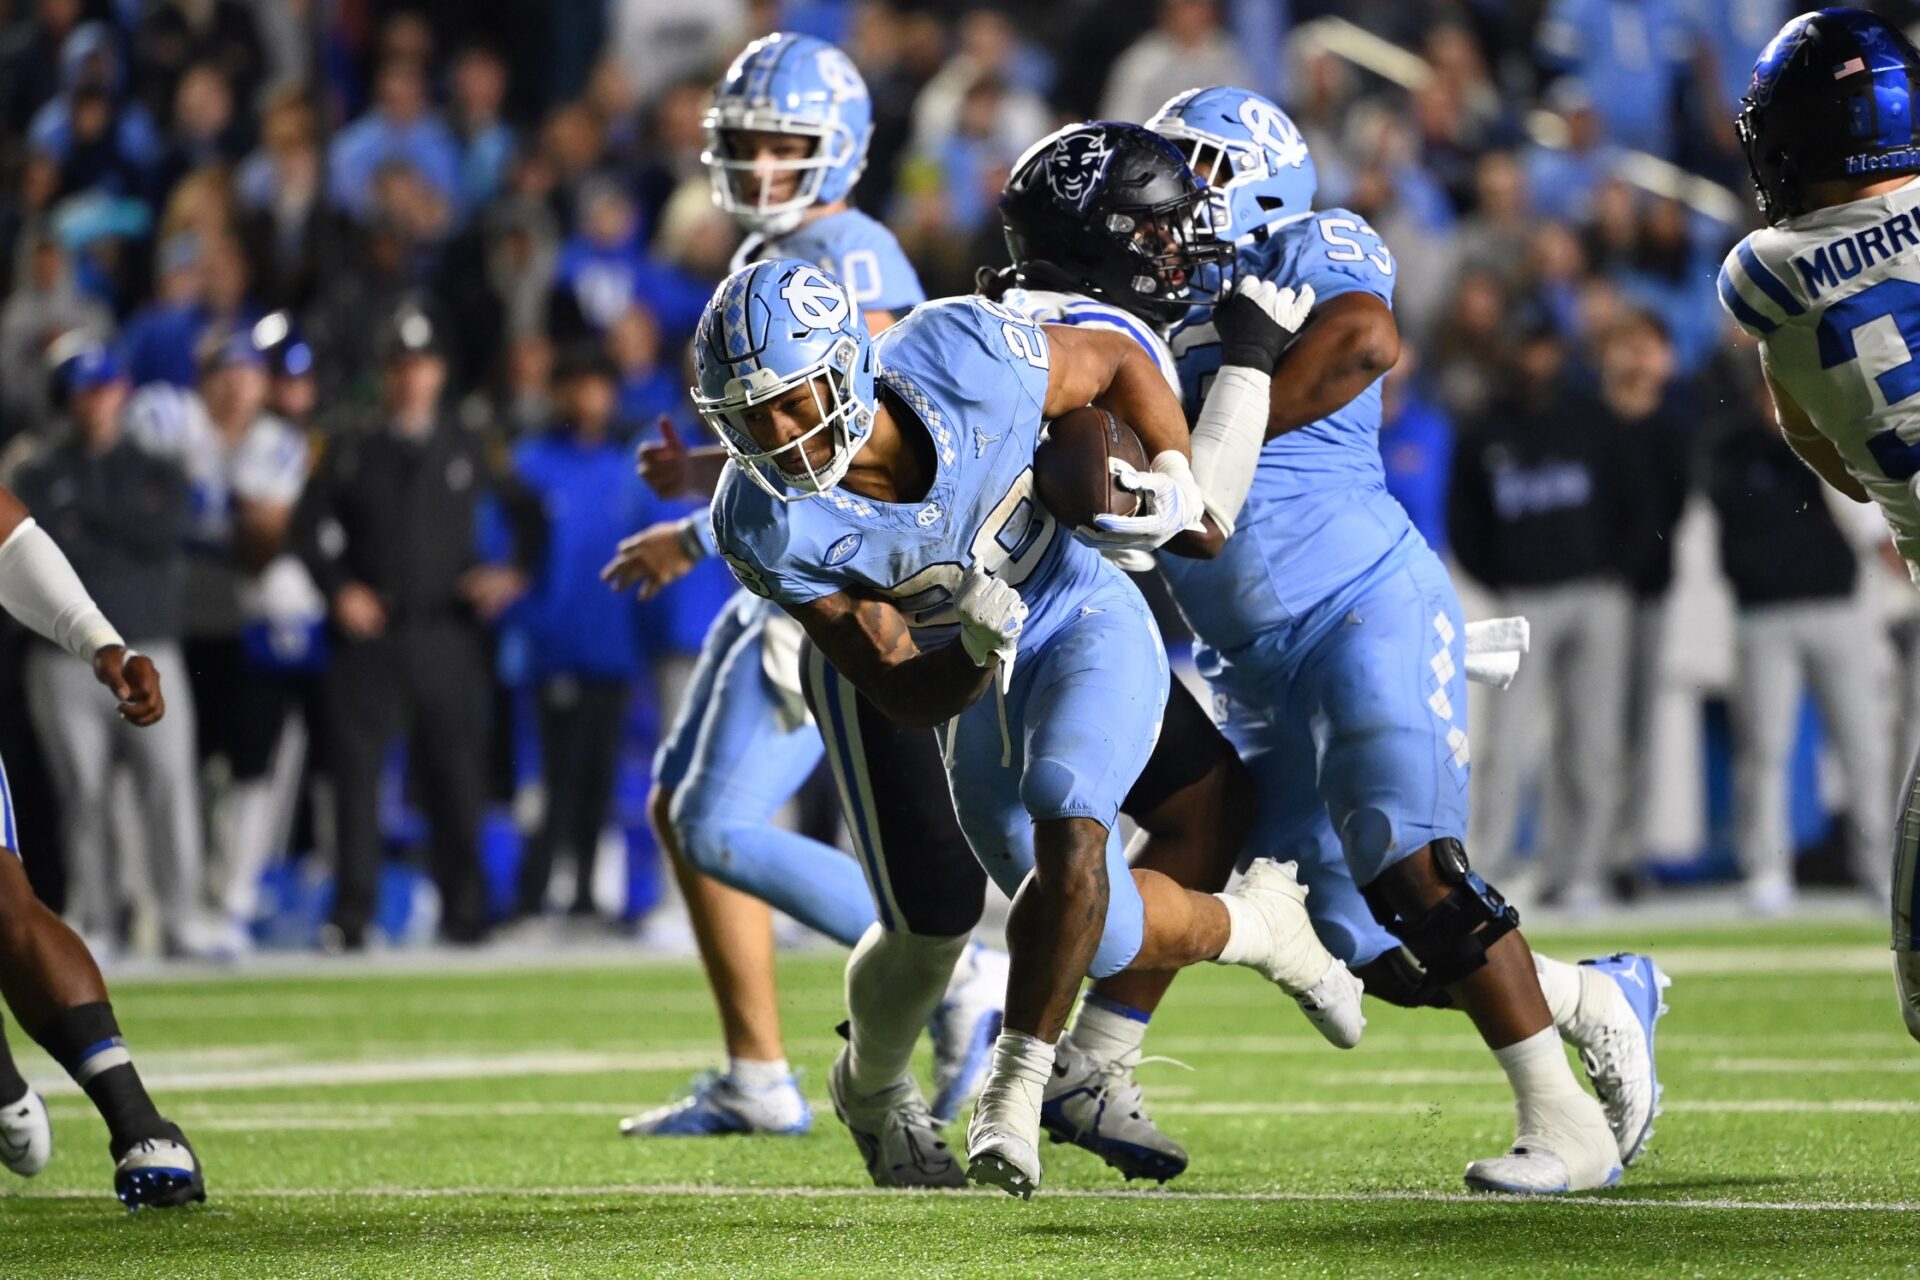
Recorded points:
(1171, 501)
(991, 616)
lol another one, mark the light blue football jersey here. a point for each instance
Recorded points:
(1319, 513)
(853, 247)
(975, 374)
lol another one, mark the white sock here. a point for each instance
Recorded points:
(1246, 936)
(1552, 1110)
(1560, 984)
(1108, 1030)
(894, 983)
(1022, 1065)
(758, 1073)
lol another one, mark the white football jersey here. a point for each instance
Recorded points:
(1834, 298)
(1049, 307)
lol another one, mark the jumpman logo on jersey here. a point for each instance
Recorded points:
(980, 442)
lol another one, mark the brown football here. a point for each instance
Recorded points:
(1070, 473)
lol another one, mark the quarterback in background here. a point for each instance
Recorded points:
(1831, 288)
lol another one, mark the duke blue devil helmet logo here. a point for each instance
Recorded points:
(771, 327)
(1111, 210)
(1241, 144)
(791, 84)
(1832, 97)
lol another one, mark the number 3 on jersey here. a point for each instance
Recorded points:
(1842, 327)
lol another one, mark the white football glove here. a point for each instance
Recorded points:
(1171, 502)
(991, 616)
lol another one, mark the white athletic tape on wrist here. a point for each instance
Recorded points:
(39, 587)
(1227, 438)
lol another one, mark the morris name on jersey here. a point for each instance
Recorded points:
(1834, 298)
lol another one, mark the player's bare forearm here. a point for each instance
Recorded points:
(12, 512)
(1098, 366)
(1348, 345)
(870, 644)
(1805, 439)
(1825, 461)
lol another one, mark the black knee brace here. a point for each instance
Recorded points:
(1450, 939)
(1396, 979)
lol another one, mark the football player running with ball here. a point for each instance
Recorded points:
(1831, 288)
(47, 976)
(881, 492)
(786, 141)
(1079, 264)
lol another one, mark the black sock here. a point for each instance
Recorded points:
(12, 1086)
(86, 1041)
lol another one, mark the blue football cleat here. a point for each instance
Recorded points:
(717, 1105)
(1618, 1052)
(158, 1173)
(1098, 1106)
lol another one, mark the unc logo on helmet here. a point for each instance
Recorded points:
(1247, 149)
(1272, 129)
(769, 329)
(796, 86)
(817, 302)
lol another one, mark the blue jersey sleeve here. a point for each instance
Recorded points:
(755, 537)
(866, 258)
(1337, 253)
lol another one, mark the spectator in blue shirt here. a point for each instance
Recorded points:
(401, 126)
(91, 110)
(1631, 53)
(200, 286)
(1561, 181)
(583, 642)
(604, 269)
(486, 142)
(1416, 446)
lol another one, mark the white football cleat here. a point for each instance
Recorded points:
(1099, 1106)
(26, 1135)
(1564, 1145)
(1295, 959)
(719, 1105)
(897, 1134)
(1003, 1140)
(964, 1028)
(1620, 1001)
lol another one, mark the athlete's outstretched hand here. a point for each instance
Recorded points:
(665, 463)
(134, 681)
(651, 559)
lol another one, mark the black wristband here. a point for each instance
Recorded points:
(1249, 337)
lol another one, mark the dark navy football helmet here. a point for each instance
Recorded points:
(1832, 98)
(1113, 211)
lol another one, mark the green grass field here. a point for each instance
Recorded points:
(463, 1124)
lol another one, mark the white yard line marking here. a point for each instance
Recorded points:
(1599, 1201)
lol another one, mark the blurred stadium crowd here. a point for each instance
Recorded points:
(233, 234)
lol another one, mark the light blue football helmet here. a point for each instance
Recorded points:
(793, 84)
(1241, 143)
(772, 326)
